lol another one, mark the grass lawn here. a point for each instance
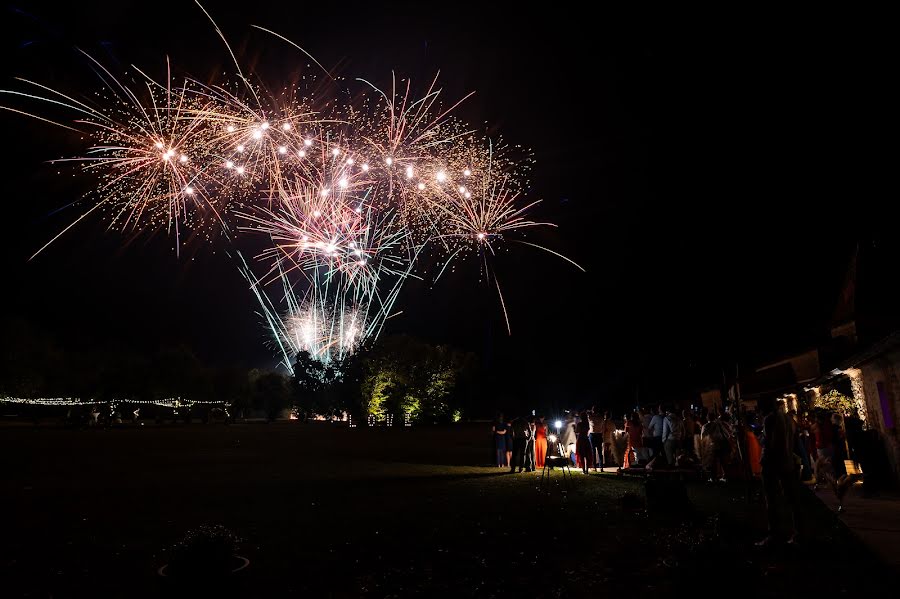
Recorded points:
(328, 511)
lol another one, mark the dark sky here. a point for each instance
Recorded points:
(713, 174)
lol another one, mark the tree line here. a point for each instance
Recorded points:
(399, 376)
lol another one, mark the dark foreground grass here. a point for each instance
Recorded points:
(356, 512)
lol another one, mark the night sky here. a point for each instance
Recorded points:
(714, 180)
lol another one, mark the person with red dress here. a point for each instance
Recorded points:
(540, 442)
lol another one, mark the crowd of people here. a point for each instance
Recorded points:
(594, 441)
(668, 437)
(781, 446)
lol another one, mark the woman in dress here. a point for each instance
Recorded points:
(501, 432)
(634, 432)
(540, 442)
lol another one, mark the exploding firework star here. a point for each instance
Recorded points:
(348, 196)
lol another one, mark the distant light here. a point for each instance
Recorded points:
(335, 151)
(301, 153)
(466, 173)
(286, 126)
(230, 128)
(240, 170)
(189, 190)
(468, 195)
(257, 134)
(350, 161)
(481, 236)
(325, 192)
(558, 424)
(158, 145)
(421, 186)
(229, 164)
(264, 126)
(389, 161)
(365, 167)
(183, 158)
(317, 214)
(409, 172)
(240, 148)
(169, 153)
(357, 252)
(441, 176)
(282, 150)
(342, 183)
(462, 189)
(307, 142)
(330, 248)
(358, 209)
(362, 262)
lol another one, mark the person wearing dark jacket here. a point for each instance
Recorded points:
(779, 471)
(521, 431)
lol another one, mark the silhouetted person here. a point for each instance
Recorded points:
(673, 435)
(501, 430)
(655, 431)
(583, 443)
(596, 437)
(529, 446)
(779, 472)
(521, 431)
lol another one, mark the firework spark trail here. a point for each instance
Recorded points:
(349, 196)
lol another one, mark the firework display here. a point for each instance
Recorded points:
(345, 197)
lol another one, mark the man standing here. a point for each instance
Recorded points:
(597, 437)
(673, 435)
(655, 431)
(529, 446)
(778, 469)
(520, 431)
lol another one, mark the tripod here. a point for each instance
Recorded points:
(561, 461)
